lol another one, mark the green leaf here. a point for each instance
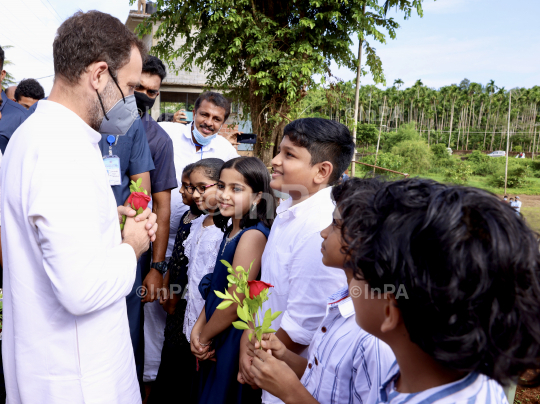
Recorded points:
(268, 331)
(223, 305)
(239, 269)
(240, 325)
(275, 315)
(268, 314)
(139, 182)
(220, 295)
(140, 210)
(232, 279)
(259, 334)
(226, 264)
(250, 336)
(241, 314)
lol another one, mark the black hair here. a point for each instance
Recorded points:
(325, 140)
(188, 169)
(211, 168)
(469, 267)
(29, 88)
(215, 98)
(2, 58)
(154, 66)
(257, 177)
(85, 38)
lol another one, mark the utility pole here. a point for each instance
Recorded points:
(357, 93)
(379, 138)
(507, 143)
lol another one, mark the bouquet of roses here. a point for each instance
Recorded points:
(250, 309)
(138, 199)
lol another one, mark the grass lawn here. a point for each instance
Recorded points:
(530, 195)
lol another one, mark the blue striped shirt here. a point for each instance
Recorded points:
(472, 389)
(345, 363)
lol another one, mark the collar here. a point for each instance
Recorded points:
(393, 374)
(315, 200)
(188, 135)
(4, 99)
(342, 301)
(69, 118)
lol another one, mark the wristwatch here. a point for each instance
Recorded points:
(160, 266)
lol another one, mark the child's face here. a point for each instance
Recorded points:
(205, 200)
(187, 198)
(292, 169)
(234, 195)
(332, 244)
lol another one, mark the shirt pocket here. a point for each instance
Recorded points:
(63, 359)
(279, 275)
(324, 385)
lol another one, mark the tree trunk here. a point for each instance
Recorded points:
(269, 133)
(451, 121)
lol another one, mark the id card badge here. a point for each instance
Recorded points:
(112, 164)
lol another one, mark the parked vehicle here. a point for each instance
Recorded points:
(498, 153)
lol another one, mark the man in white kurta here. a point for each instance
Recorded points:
(66, 273)
(67, 270)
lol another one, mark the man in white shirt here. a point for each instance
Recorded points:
(195, 141)
(67, 269)
(517, 205)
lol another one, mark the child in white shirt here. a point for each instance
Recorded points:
(312, 156)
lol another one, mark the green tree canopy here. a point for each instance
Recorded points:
(9, 80)
(266, 52)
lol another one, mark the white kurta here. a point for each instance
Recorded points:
(66, 273)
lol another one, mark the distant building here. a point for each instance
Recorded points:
(180, 90)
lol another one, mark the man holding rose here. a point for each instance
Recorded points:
(67, 267)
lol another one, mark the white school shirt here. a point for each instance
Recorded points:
(185, 153)
(66, 272)
(292, 262)
(201, 249)
(472, 389)
(345, 363)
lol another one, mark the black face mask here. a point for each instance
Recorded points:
(144, 102)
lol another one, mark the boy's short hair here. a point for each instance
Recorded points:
(325, 140)
(29, 88)
(469, 266)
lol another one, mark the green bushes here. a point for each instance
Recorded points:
(459, 173)
(482, 164)
(416, 155)
(517, 178)
(406, 132)
(386, 160)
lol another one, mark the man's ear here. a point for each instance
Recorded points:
(324, 171)
(2, 76)
(392, 314)
(98, 75)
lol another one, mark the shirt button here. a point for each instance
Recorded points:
(309, 366)
(323, 329)
(316, 362)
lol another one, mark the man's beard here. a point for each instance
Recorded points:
(95, 113)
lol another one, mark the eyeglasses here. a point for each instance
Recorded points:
(200, 188)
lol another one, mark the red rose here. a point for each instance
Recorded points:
(138, 200)
(256, 287)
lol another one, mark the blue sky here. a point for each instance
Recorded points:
(477, 39)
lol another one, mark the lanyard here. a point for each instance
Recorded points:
(111, 140)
